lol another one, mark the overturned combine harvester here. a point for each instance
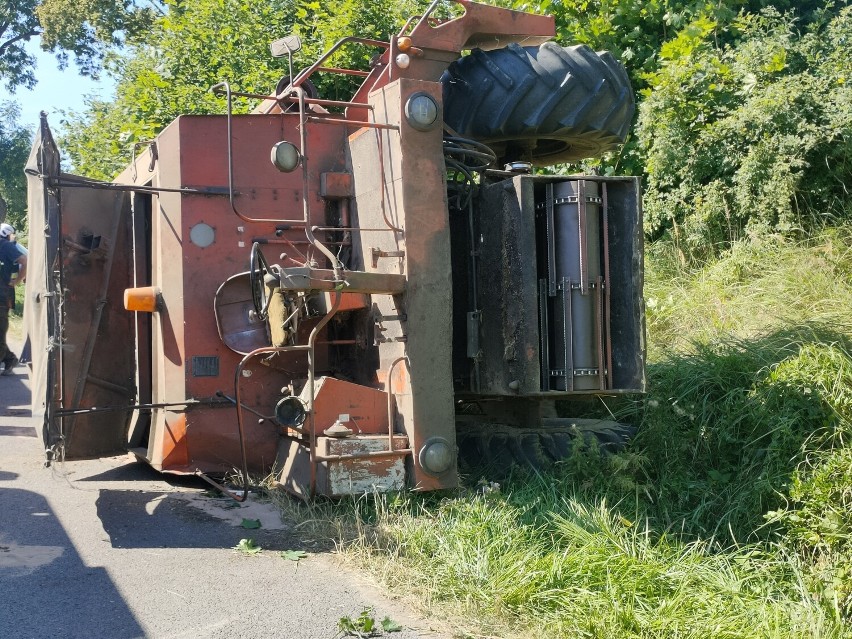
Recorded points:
(413, 292)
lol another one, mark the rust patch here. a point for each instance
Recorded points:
(399, 380)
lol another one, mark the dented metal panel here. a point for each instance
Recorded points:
(356, 473)
(82, 337)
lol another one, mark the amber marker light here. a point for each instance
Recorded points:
(403, 43)
(144, 299)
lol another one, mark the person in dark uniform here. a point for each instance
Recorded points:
(13, 271)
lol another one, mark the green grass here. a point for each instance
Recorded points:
(730, 515)
(16, 324)
(541, 559)
(760, 285)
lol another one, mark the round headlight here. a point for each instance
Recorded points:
(436, 456)
(421, 111)
(285, 156)
(290, 412)
(403, 60)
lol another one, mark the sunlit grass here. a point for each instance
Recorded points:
(758, 286)
(545, 562)
(16, 325)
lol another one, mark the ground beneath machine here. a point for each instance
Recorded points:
(110, 548)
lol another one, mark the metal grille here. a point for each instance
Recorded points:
(205, 366)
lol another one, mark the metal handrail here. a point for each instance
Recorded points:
(336, 265)
(306, 206)
(311, 387)
(306, 73)
(318, 66)
(238, 373)
(390, 399)
(426, 14)
(281, 97)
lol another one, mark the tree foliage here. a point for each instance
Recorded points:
(89, 28)
(744, 104)
(194, 46)
(15, 143)
(18, 24)
(636, 31)
(86, 29)
(748, 138)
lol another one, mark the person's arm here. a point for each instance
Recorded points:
(22, 269)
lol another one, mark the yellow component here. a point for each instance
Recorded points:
(403, 43)
(145, 299)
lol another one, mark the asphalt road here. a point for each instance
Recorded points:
(110, 548)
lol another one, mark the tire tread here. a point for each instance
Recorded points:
(577, 102)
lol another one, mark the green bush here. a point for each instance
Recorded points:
(750, 138)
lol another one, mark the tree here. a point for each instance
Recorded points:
(635, 31)
(15, 143)
(86, 29)
(18, 25)
(717, 142)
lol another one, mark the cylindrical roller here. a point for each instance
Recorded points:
(578, 266)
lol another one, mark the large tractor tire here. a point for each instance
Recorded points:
(544, 105)
(494, 449)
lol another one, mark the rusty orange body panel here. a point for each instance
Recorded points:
(185, 331)
(367, 408)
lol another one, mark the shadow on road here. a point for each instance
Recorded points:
(14, 395)
(47, 589)
(142, 516)
(152, 519)
(140, 471)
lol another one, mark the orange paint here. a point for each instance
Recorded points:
(144, 299)
(366, 407)
(175, 450)
(399, 383)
